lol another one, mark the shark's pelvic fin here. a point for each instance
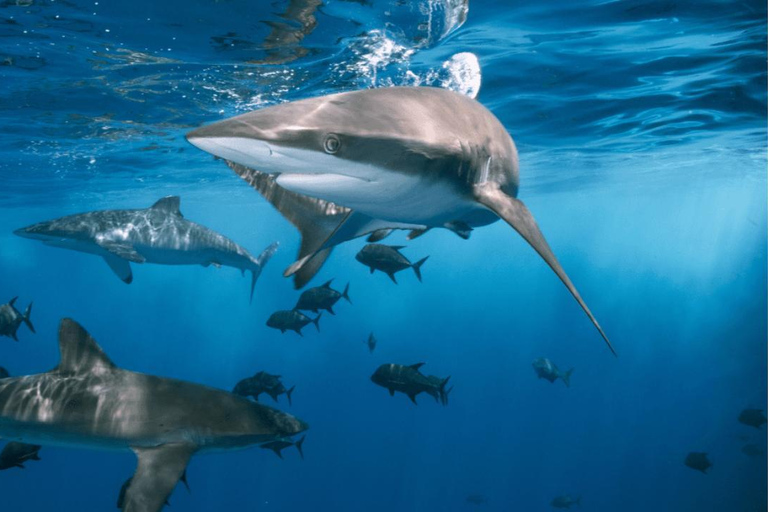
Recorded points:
(515, 213)
(121, 268)
(159, 470)
(315, 219)
(79, 351)
(169, 204)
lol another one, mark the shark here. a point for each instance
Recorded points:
(364, 162)
(158, 234)
(89, 402)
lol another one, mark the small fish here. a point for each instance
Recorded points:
(292, 320)
(752, 417)
(321, 297)
(263, 382)
(698, 461)
(371, 343)
(546, 369)
(278, 445)
(752, 450)
(476, 499)
(4, 373)
(15, 454)
(410, 381)
(388, 259)
(565, 501)
(11, 319)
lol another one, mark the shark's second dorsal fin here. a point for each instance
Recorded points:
(169, 204)
(79, 352)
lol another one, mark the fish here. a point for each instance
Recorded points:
(371, 342)
(387, 258)
(292, 320)
(698, 461)
(87, 401)
(565, 501)
(4, 373)
(546, 369)
(321, 297)
(476, 499)
(349, 164)
(11, 319)
(752, 450)
(158, 234)
(15, 454)
(410, 381)
(263, 382)
(279, 445)
(752, 417)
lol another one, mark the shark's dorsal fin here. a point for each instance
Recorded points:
(79, 351)
(170, 204)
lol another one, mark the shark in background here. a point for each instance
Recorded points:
(89, 402)
(369, 161)
(158, 234)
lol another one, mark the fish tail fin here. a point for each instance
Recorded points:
(445, 391)
(417, 267)
(289, 393)
(567, 377)
(316, 321)
(515, 213)
(345, 294)
(26, 318)
(258, 264)
(299, 445)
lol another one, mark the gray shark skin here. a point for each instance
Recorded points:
(410, 381)
(546, 369)
(15, 454)
(11, 319)
(698, 461)
(321, 297)
(88, 402)
(263, 382)
(752, 417)
(158, 234)
(392, 158)
(387, 258)
(292, 320)
(565, 501)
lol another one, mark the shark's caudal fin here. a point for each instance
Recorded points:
(515, 213)
(315, 219)
(417, 267)
(79, 351)
(259, 263)
(567, 377)
(26, 318)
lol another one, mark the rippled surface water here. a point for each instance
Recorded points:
(641, 127)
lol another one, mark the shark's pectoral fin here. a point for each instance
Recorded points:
(160, 469)
(121, 268)
(515, 213)
(125, 251)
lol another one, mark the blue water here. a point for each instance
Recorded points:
(641, 127)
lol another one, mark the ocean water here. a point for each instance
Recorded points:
(641, 128)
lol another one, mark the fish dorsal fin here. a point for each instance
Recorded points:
(328, 284)
(397, 247)
(169, 204)
(416, 366)
(79, 351)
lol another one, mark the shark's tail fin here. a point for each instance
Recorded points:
(299, 445)
(444, 391)
(26, 318)
(567, 377)
(289, 393)
(316, 321)
(258, 264)
(346, 294)
(417, 267)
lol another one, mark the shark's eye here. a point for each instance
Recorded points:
(332, 144)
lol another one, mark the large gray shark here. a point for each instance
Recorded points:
(87, 401)
(349, 164)
(158, 234)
